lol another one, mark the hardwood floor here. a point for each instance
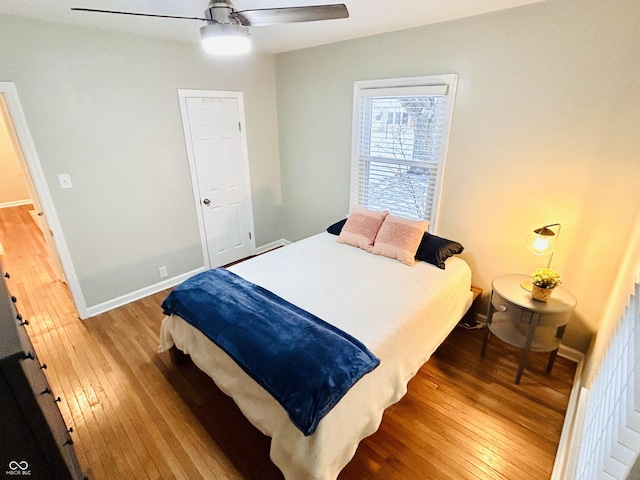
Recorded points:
(136, 415)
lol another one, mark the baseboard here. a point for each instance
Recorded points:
(16, 203)
(571, 354)
(270, 246)
(138, 294)
(158, 287)
(572, 426)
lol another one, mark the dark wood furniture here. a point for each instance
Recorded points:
(34, 439)
(469, 318)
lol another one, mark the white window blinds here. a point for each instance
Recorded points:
(610, 439)
(401, 131)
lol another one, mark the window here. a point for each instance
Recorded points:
(400, 137)
(608, 412)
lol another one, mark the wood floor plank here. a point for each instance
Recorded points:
(124, 380)
(137, 415)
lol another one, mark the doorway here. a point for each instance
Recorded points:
(44, 214)
(218, 160)
(17, 192)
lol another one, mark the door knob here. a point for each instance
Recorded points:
(206, 201)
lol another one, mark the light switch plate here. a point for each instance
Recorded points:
(65, 180)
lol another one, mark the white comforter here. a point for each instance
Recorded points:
(402, 314)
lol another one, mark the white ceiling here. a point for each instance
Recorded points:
(366, 17)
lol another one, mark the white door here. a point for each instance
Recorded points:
(220, 167)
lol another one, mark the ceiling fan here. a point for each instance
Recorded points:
(227, 30)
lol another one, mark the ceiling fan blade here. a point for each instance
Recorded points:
(270, 16)
(137, 14)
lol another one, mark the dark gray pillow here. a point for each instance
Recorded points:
(336, 228)
(435, 250)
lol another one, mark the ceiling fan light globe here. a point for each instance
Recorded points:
(225, 39)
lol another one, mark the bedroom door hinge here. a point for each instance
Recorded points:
(249, 235)
(239, 126)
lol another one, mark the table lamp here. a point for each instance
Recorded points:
(542, 241)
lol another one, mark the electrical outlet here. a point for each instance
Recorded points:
(163, 272)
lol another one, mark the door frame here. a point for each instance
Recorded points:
(183, 94)
(33, 169)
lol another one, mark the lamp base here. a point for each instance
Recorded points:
(527, 285)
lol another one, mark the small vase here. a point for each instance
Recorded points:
(541, 294)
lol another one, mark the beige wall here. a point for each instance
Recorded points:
(103, 107)
(13, 185)
(544, 131)
(622, 289)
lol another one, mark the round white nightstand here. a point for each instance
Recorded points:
(519, 320)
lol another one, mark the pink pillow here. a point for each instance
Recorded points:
(361, 227)
(400, 238)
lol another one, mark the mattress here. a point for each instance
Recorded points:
(402, 314)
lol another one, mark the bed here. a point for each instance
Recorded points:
(402, 314)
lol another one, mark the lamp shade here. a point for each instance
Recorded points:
(225, 39)
(543, 240)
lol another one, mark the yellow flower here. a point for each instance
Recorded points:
(546, 278)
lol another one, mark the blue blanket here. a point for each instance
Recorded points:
(306, 364)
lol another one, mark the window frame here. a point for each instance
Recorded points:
(420, 85)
